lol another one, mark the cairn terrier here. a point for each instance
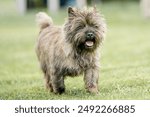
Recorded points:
(72, 49)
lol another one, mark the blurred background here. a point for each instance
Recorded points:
(125, 61)
(55, 5)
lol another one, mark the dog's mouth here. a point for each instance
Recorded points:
(89, 43)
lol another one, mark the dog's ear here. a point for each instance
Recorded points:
(71, 12)
(95, 9)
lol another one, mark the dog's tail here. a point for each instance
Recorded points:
(43, 20)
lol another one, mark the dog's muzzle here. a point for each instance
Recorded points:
(90, 39)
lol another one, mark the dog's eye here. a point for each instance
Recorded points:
(80, 27)
(96, 26)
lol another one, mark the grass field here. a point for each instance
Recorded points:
(125, 61)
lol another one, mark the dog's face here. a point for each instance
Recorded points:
(84, 29)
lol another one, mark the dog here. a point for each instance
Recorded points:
(72, 49)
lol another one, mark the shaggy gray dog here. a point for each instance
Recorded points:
(72, 49)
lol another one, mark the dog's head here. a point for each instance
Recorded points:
(85, 29)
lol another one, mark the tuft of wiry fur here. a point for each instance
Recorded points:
(43, 20)
(72, 49)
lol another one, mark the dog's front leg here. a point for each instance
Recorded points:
(58, 83)
(91, 76)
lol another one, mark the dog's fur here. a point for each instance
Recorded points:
(72, 49)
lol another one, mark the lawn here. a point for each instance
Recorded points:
(125, 56)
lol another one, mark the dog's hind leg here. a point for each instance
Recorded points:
(47, 78)
(48, 83)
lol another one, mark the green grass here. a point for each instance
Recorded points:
(125, 61)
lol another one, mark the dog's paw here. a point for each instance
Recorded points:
(59, 90)
(93, 90)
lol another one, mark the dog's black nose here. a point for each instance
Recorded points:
(89, 35)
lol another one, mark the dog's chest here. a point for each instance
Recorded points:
(75, 66)
(71, 68)
(71, 71)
